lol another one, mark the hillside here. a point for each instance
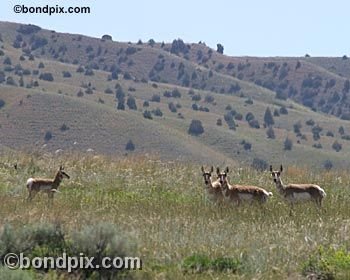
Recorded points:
(60, 92)
(321, 84)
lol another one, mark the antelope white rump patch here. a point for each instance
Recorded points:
(30, 182)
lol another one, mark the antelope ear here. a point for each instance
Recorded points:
(271, 168)
(61, 168)
(212, 169)
(227, 170)
(218, 170)
(202, 169)
(281, 168)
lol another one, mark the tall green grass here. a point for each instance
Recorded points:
(163, 208)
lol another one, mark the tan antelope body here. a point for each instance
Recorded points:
(295, 193)
(239, 193)
(213, 187)
(49, 186)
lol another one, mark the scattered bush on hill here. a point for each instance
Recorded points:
(130, 146)
(196, 128)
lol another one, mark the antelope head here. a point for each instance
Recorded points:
(276, 174)
(207, 175)
(61, 174)
(222, 176)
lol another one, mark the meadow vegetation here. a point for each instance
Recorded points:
(159, 211)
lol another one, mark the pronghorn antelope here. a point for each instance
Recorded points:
(241, 193)
(297, 192)
(50, 186)
(213, 187)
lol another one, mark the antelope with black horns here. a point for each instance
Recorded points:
(213, 187)
(49, 186)
(294, 193)
(239, 193)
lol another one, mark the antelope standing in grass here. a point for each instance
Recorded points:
(297, 192)
(49, 186)
(241, 193)
(213, 187)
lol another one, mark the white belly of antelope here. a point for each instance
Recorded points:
(245, 196)
(303, 196)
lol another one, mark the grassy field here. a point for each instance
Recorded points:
(163, 210)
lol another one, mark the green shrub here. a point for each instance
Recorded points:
(101, 241)
(176, 93)
(157, 112)
(337, 146)
(254, 123)
(259, 164)
(328, 264)
(7, 61)
(80, 69)
(155, 98)
(107, 37)
(130, 146)
(33, 240)
(249, 116)
(220, 48)
(327, 165)
(296, 127)
(310, 122)
(196, 128)
(10, 81)
(196, 263)
(28, 29)
(37, 42)
(201, 263)
(46, 77)
(249, 101)
(131, 102)
(172, 107)
(288, 144)
(89, 72)
(268, 118)
(66, 74)
(130, 50)
(247, 146)
(178, 46)
(48, 136)
(283, 110)
(40, 240)
(108, 90)
(196, 97)
(209, 98)
(147, 115)
(64, 127)
(19, 274)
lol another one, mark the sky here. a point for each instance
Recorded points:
(244, 28)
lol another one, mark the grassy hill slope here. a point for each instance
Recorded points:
(88, 72)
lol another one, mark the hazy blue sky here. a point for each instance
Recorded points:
(246, 27)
